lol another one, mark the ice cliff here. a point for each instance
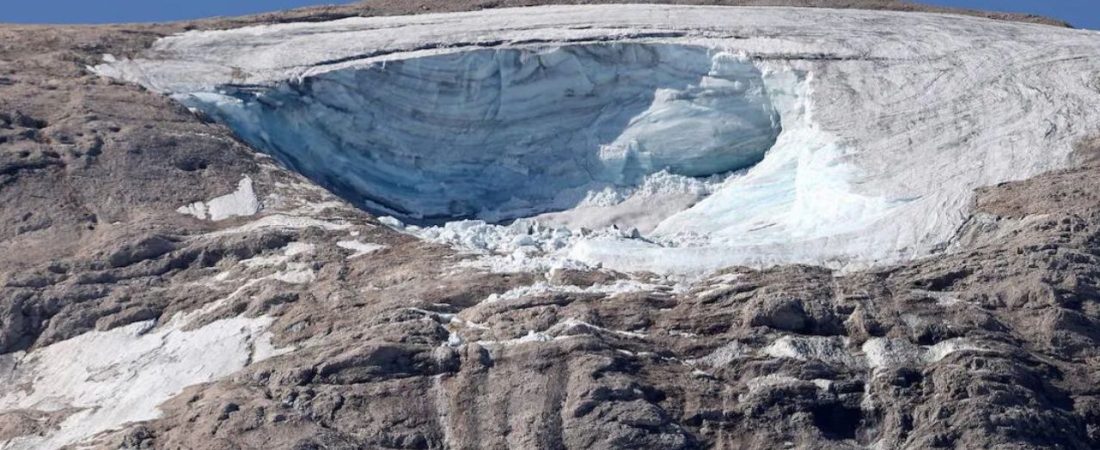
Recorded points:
(504, 133)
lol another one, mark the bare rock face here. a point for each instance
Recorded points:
(337, 332)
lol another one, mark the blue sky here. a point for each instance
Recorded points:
(114, 11)
(1081, 13)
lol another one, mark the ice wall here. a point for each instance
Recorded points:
(509, 132)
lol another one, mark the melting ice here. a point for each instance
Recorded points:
(497, 134)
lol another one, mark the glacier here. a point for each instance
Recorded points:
(672, 139)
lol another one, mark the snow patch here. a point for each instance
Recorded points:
(541, 288)
(241, 202)
(566, 326)
(298, 248)
(884, 353)
(941, 350)
(830, 350)
(289, 251)
(359, 248)
(724, 355)
(772, 381)
(531, 336)
(282, 221)
(122, 375)
(295, 273)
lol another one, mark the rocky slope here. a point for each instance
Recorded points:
(318, 327)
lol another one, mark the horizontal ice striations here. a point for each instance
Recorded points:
(889, 122)
(504, 133)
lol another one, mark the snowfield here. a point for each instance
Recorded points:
(725, 136)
